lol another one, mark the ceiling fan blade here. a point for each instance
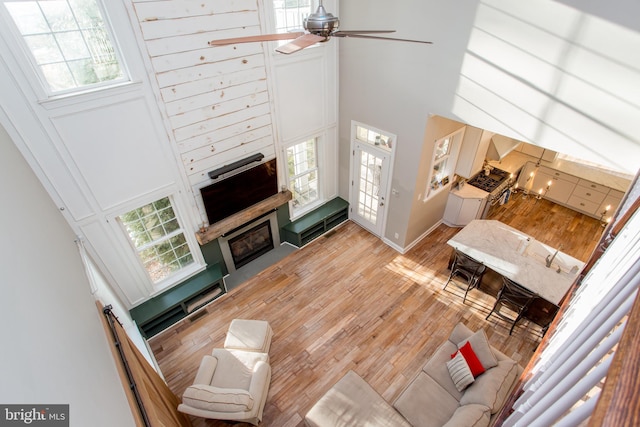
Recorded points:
(346, 33)
(260, 38)
(300, 43)
(362, 36)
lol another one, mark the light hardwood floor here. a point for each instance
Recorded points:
(348, 301)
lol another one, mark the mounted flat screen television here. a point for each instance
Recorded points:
(231, 195)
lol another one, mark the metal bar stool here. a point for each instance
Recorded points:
(467, 268)
(515, 298)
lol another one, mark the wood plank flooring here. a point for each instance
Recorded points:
(348, 301)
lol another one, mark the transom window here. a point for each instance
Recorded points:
(69, 42)
(290, 14)
(302, 173)
(373, 137)
(159, 240)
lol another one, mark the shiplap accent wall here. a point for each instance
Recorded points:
(216, 98)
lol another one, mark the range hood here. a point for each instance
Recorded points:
(500, 146)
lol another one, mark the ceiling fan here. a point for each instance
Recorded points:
(320, 27)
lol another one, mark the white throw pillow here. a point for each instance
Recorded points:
(460, 372)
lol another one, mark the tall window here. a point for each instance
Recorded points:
(69, 42)
(158, 239)
(302, 173)
(290, 14)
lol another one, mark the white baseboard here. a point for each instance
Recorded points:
(425, 234)
(415, 242)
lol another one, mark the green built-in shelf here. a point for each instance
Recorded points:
(167, 308)
(316, 223)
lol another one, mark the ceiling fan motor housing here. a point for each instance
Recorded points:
(321, 23)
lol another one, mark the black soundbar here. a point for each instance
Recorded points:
(235, 165)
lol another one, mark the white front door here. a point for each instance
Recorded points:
(370, 172)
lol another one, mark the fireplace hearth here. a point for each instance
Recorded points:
(250, 241)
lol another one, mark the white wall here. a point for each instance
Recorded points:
(537, 71)
(54, 348)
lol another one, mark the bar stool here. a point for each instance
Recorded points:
(468, 268)
(514, 297)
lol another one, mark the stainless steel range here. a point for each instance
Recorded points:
(496, 183)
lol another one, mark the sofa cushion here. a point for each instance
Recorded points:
(352, 402)
(235, 367)
(459, 333)
(460, 372)
(436, 368)
(481, 348)
(211, 398)
(424, 403)
(470, 416)
(492, 388)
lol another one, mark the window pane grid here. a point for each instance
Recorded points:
(158, 239)
(290, 14)
(370, 170)
(373, 138)
(68, 40)
(302, 172)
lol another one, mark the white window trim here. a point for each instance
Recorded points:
(294, 214)
(33, 73)
(130, 250)
(269, 24)
(452, 157)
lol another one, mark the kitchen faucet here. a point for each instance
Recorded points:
(551, 258)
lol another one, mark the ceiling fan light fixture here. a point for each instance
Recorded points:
(321, 22)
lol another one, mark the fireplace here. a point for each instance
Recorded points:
(251, 244)
(250, 241)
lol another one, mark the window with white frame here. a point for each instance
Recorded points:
(445, 155)
(289, 14)
(158, 239)
(303, 174)
(70, 43)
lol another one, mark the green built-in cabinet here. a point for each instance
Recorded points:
(172, 305)
(316, 223)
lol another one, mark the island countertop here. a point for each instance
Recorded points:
(499, 247)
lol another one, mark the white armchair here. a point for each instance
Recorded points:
(230, 385)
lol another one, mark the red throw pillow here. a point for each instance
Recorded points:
(471, 358)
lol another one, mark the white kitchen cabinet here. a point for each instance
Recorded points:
(463, 206)
(538, 152)
(582, 205)
(611, 201)
(473, 151)
(579, 194)
(561, 188)
(587, 193)
(588, 196)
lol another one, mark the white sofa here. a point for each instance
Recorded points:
(431, 399)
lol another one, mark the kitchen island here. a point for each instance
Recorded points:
(505, 250)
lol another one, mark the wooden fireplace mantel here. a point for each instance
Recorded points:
(213, 231)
